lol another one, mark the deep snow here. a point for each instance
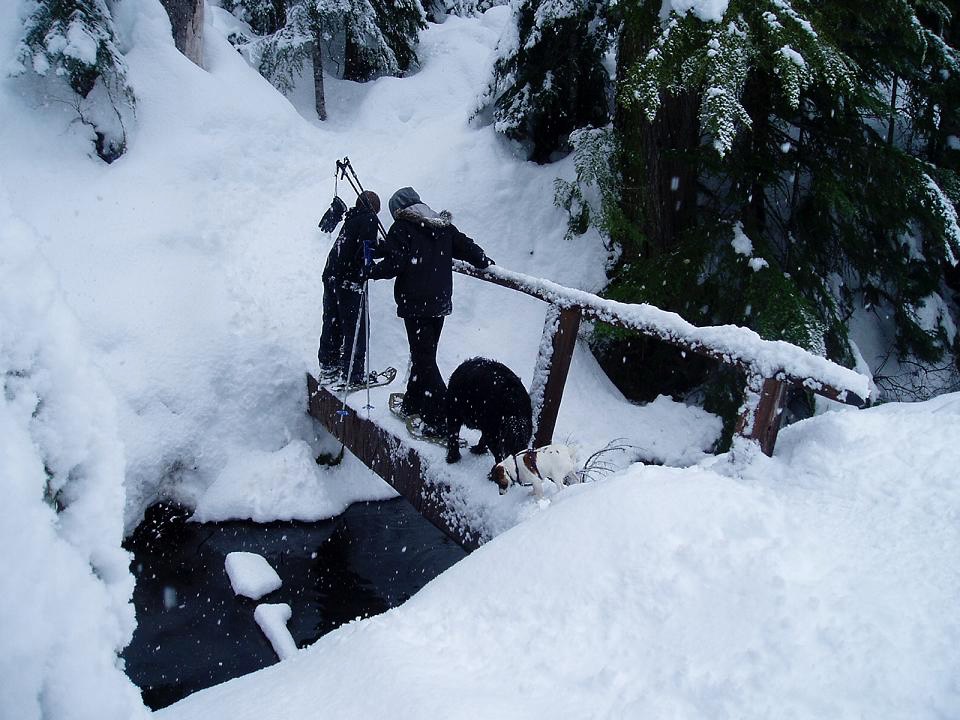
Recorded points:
(65, 585)
(820, 583)
(157, 317)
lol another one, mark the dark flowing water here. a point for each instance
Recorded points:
(193, 632)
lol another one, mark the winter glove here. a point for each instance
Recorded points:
(485, 262)
(332, 217)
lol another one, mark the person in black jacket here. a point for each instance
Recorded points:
(418, 252)
(343, 278)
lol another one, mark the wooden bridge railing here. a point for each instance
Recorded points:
(770, 365)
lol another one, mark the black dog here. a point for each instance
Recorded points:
(487, 396)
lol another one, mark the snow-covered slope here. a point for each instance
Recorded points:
(194, 261)
(65, 586)
(821, 583)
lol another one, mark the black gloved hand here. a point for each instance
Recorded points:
(334, 214)
(485, 262)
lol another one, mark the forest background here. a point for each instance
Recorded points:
(786, 166)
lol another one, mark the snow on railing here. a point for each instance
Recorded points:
(730, 344)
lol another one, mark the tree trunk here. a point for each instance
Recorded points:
(186, 20)
(319, 99)
(939, 151)
(279, 14)
(892, 122)
(634, 37)
(670, 186)
(659, 176)
(758, 92)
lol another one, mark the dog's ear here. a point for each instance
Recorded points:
(499, 475)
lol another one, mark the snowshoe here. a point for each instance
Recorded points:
(328, 375)
(415, 425)
(395, 403)
(376, 379)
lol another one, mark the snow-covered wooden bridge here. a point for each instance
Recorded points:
(771, 367)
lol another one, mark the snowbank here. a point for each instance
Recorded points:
(285, 485)
(818, 583)
(65, 607)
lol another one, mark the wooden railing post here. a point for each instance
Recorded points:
(762, 411)
(553, 364)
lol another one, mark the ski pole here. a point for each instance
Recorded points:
(354, 180)
(342, 412)
(343, 166)
(366, 311)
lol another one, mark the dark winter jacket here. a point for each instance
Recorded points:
(419, 253)
(346, 259)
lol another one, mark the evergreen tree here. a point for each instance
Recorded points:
(381, 37)
(785, 164)
(401, 21)
(437, 9)
(363, 39)
(72, 44)
(549, 78)
(264, 17)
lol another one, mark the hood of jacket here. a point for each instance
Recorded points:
(421, 213)
(402, 198)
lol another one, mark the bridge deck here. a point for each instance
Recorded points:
(399, 463)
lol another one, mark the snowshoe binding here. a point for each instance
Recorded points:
(328, 375)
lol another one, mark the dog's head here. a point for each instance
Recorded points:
(515, 469)
(503, 474)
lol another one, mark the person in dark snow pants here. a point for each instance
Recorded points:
(419, 252)
(343, 298)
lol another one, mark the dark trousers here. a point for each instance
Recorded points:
(340, 308)
(426, 392)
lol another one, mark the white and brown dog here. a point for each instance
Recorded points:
(557, 463)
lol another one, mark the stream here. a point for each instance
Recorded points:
(193, 632)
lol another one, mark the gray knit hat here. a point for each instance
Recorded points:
(402, 198)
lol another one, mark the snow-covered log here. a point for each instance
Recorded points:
(770, 365)
(731, 344)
